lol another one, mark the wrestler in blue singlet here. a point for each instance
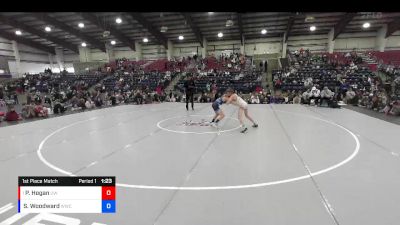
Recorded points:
(217, 103)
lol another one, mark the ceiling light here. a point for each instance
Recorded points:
(18, 32)
(220, 34)
(81, 25)
(83, 44)
(48, 29)
(118, 20)
(180, 37)
(309, 19)
(229, 23)
(366, 25)
(263, 31)
(145, 40)
(313, 28)
(113, 42)
(163, 29)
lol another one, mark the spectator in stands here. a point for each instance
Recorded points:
(113, 99)
(89, 104)
(254, 99)
(297, 99)
(12, 115)
(326, 94)
(81, 103)
(28, 111)
(374, 101)
(58, 107)
(208, 87)
(3, 104)
(138, 98)
(47, 101)
(314, 95)
(41, 111)
(393, 108)
(308, 82)
(38, 99)
(306, 96)
(350, 97)
(278, 83)
(382, 100)
(173, 98)
(74, 101)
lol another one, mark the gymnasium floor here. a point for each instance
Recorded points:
(302, 166)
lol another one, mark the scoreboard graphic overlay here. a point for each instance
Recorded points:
(66, 195)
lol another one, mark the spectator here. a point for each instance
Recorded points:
(12, 115)
(58, 107)
(314, 95)
(47, 102)
(350, 97)
(326, 94)
(139, 97)
(89, 104)
(41, 111)
(306, 96)
(28, 111)
(297, 99)
(254, 99)
(393, 108)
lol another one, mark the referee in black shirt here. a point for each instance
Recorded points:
(189, 91)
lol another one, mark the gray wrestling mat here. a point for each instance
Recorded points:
(302, 166)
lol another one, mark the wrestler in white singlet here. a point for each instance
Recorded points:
(238, 101)
(243, 109)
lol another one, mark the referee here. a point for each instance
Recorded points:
(189, 91)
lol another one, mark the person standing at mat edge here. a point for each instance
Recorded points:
(234, 99)
(190, 87)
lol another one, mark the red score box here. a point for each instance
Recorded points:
(108, 192)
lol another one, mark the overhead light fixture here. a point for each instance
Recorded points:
(81, 25)
(180, 37)
(263, 31)
(145, 40)
(18, 32)
(229, 23)
(113, 42)
(106, 33)
(220, 34)
(83, 44)
(118, 20)
(48, 29)
(366, 25)
(309, 19)
(163, 29)
(313, 28)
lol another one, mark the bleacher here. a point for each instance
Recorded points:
(158, 65)
(323, 75)
(147, 81)
(246, 83)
